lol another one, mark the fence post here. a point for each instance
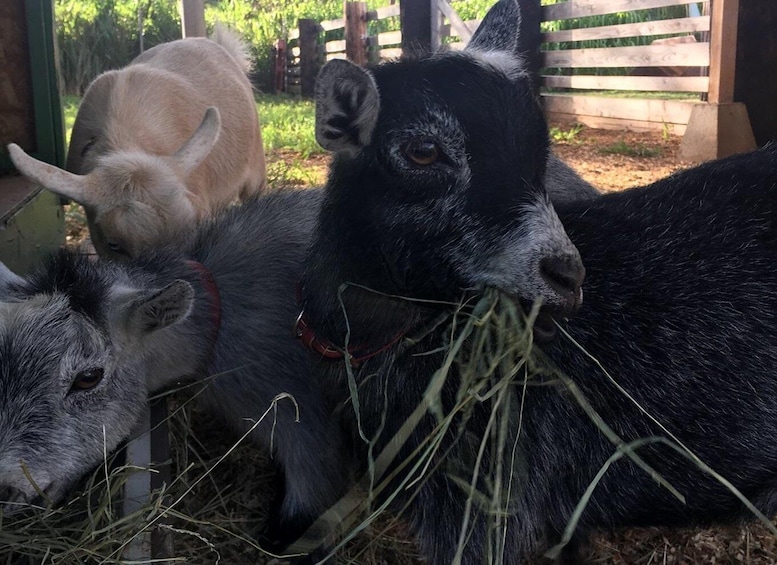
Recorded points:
(415, 18)
(755, 83)
(530, 39)
(721, 127)
(193, 18)
(356, 32)
(308, 55)
(279, 67)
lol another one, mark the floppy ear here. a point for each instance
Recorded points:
(347, 105)
(50, 177)
(142, 312)
(499, 30)
(201, 142)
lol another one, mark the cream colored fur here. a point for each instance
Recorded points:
(132, 122)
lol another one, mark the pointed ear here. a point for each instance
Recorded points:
(347, 105)
(50, 177)
(143, 312)
(499, 30)
(201, 142)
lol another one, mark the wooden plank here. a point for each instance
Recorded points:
(389, 38)
(597, 122)
(330, 25)
(445, 30)
(334, 46)
(651, 110)
(457, 24)
(640, 29)
(331, 56)
(648, 84)
(308, 57)
(355, 32)
(723, 50)
(683, 55)
(383, 13)
(583, 8)
(391, 53)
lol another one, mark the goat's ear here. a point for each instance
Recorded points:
(499, 30)
(142, 312)
(347, 105)
(8, 277)
(63, 183)
(201, 142)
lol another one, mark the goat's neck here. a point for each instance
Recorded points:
(341, 291)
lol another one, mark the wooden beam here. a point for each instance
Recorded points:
(683, 55)
(639, 83)
(639, 29)
(308, 54)
(193, 18)
(458, 25)
(723, 50)
(583, 8)
(637, 109)
(356, 32)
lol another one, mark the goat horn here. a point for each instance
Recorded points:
(48, 176)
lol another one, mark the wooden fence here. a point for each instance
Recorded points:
(358, 36)
(675, 60)
(672, 64)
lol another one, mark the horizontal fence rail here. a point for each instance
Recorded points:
(587, 46)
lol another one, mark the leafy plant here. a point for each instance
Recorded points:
(560, 135)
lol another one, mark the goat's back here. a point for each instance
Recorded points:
(681, 309)
(155, 103)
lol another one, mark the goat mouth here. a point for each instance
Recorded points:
(544, 327)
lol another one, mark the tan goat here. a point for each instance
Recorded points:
(140, 165)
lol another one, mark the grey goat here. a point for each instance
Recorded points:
(82, 343)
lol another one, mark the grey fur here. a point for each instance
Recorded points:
(150, 323)
(563, 184)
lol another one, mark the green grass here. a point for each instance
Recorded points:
(70, 107)
(623, 148)
(560, 135)
(287, 123)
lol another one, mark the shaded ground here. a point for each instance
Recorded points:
(614, 160)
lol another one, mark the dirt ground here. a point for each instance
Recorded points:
(615, 160)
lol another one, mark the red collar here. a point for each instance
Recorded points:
(209, 283)
(356, 353)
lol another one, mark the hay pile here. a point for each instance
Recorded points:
(215, 506)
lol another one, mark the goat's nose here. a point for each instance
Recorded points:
(564, 274)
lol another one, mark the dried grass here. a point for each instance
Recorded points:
(216, 504)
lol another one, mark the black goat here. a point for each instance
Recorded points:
(436, 191)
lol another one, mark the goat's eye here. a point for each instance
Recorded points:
(116, 248)
(422, 151)
(87, 379)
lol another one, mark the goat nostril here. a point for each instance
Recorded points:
(564, 274)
